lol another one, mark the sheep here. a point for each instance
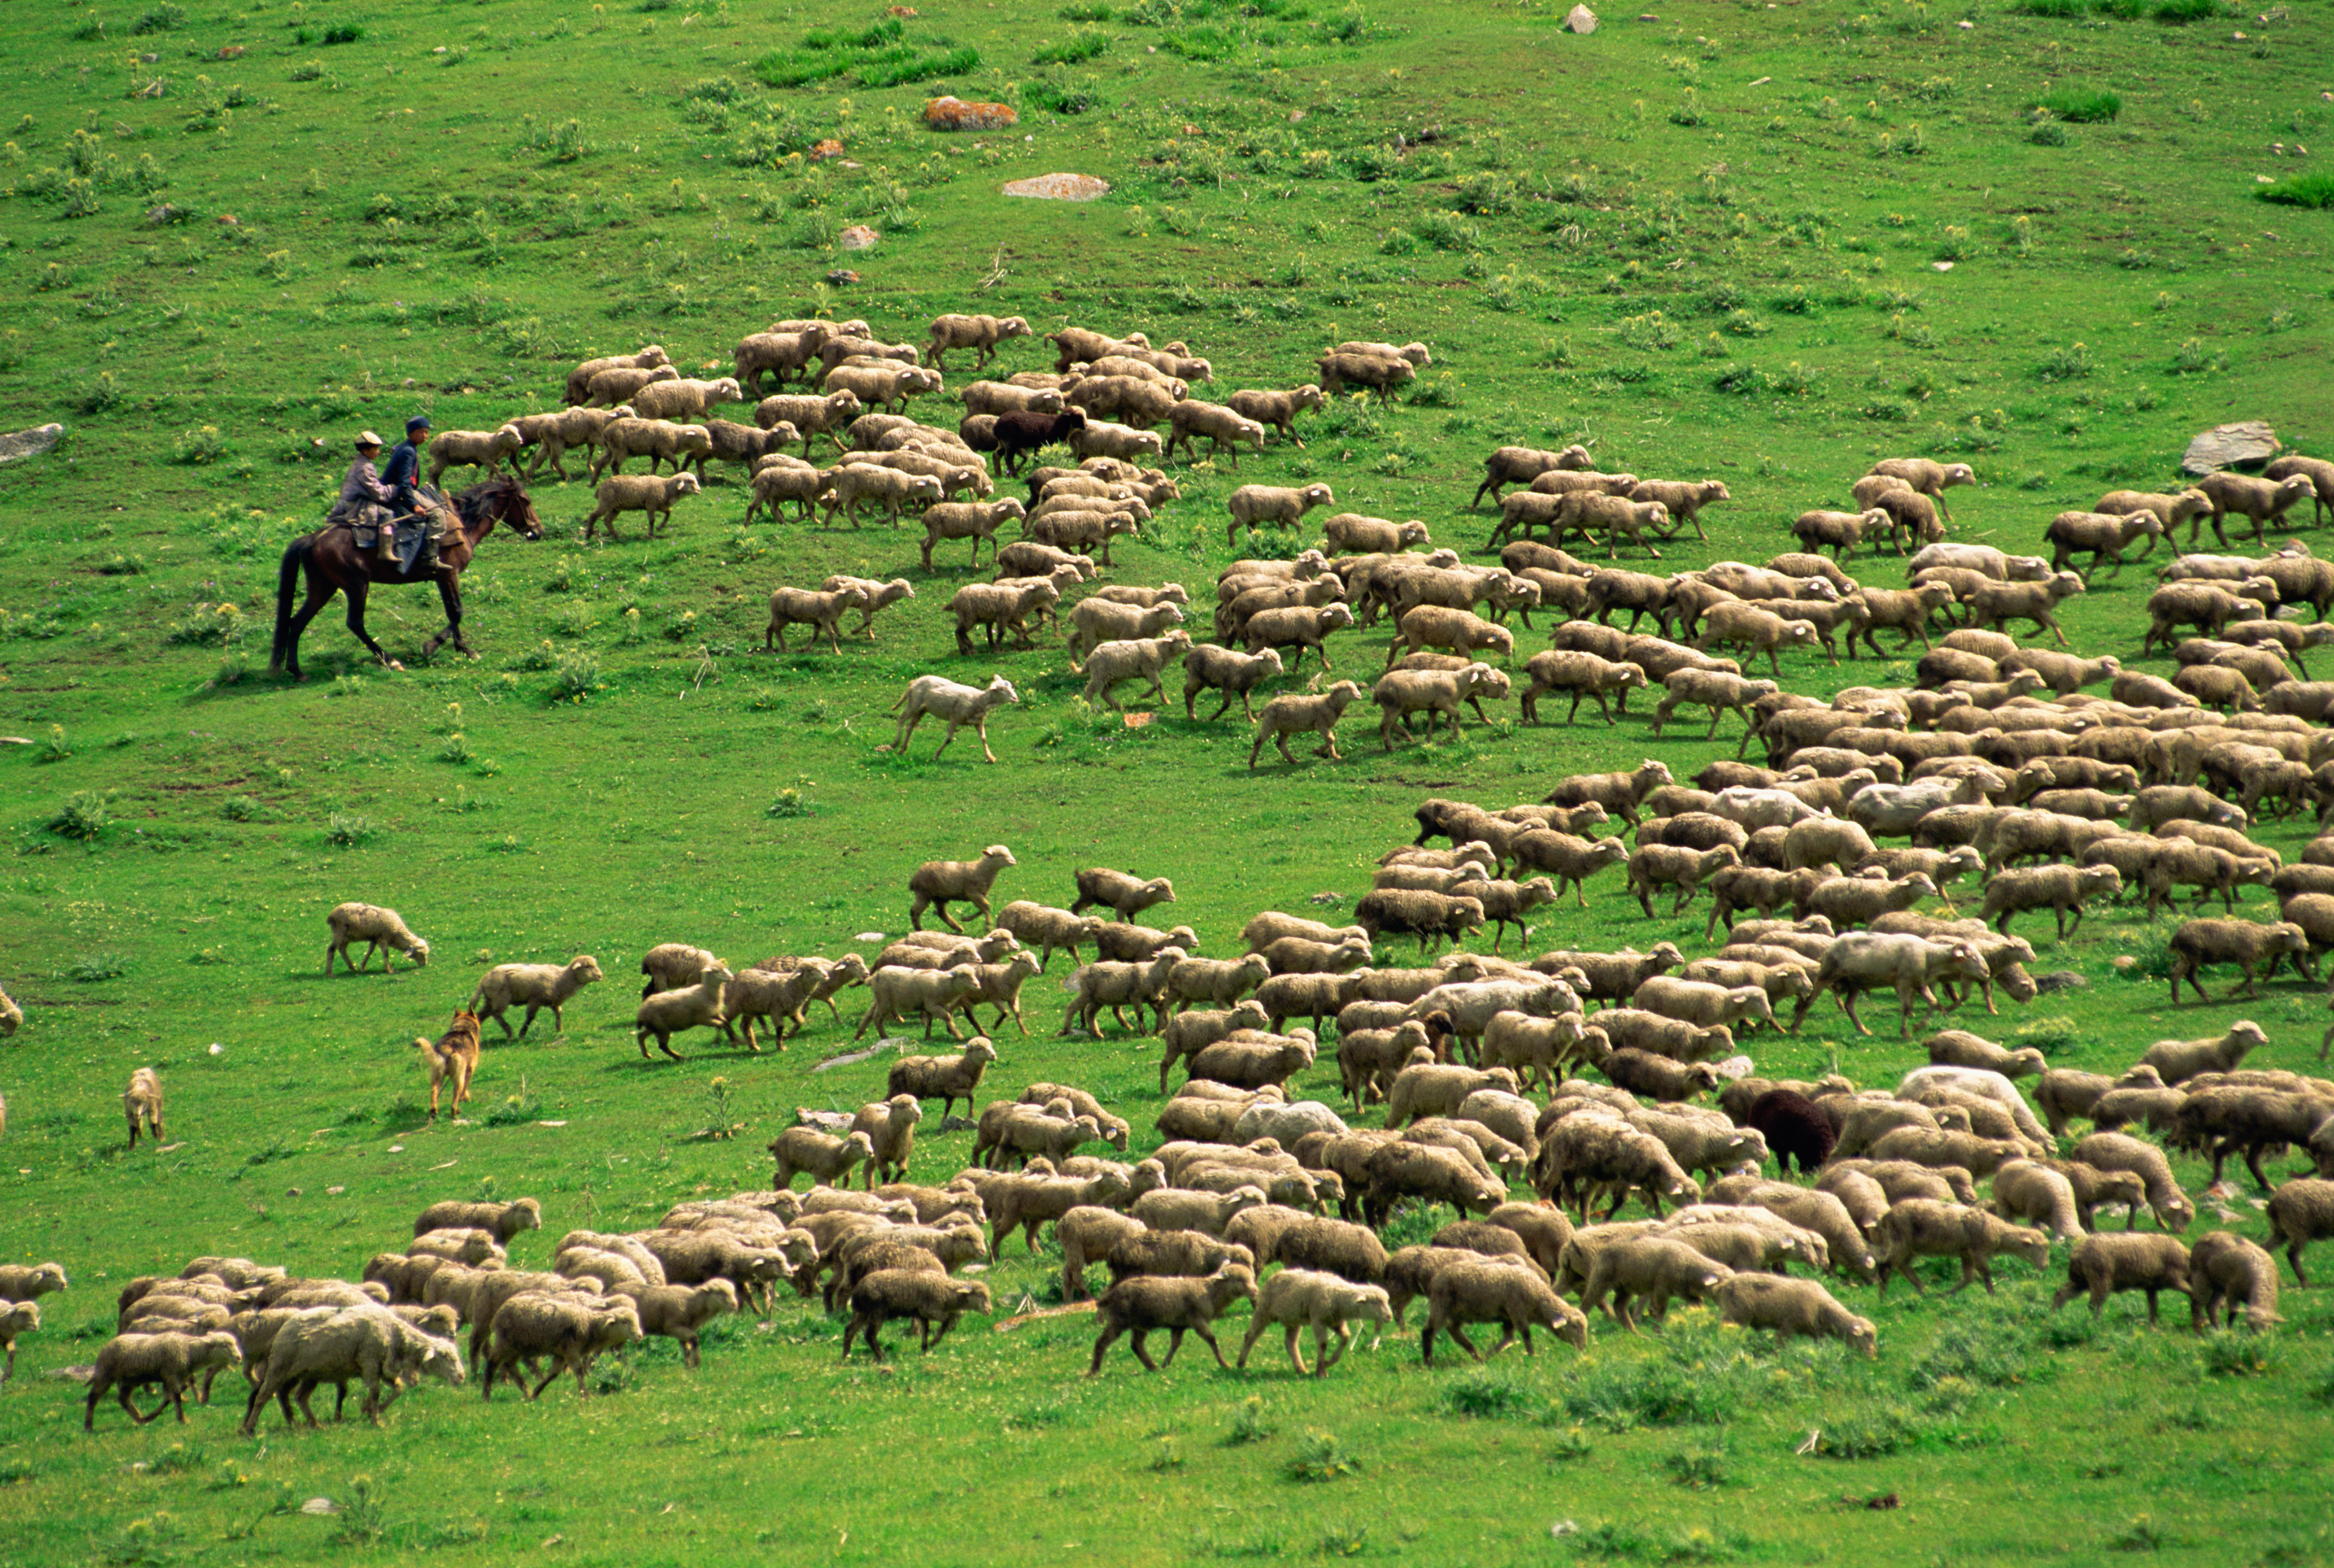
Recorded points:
(2264, 502)
(2101, 1265)
(1024, 432)
(1277, 409)
(1256, 506)
(2058, 889)
(1665, 865)
(1116, 984)
(1351, 533)
(500, 1221)
(1472, 1291)
(1227, 429)
(935, 884)
(2117, 1152)
(1920, 1228)
(1293, 713)
(30, 1282)
(579, 379)
(1684, 501)
(982, 335)
(1926, 478)
(1372, 372)
(177, 1361)
(1209, 667)
(1296, 1298)
(892, 489)
(667, 1013)
(2177, 1061)
(827, 1159)
(809, 415)
(652, 497)
(1650, 1269)
(1840, 531)
(975, 520)
(2244, 943)
(571, 1332)
(383, 930)
(1701, 1004)
(887, 387)
(947, 1079)
(533, 987)
(1862, 961)
(1793, 1128)
(1792, 1307)
(1140, 1304)
(1583, 675)
(2226, 1270)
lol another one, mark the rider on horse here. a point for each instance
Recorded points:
(410, 496)
(364, 499)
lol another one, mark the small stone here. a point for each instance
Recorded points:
(841, 275)
(2125, 962)
(1965, 26)
(1940, 266)
(836, 1121)
(858, 236)
(953, 113)
(2059, 980)
(2226, 445)
(1059, 188)
(320, 1506)
(1328, 898)
(32, 443)
(1295, 116)
(953, 1123)
(149, 59)
(293, 1192)
(1580, 19)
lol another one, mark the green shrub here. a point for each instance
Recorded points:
(165, 18)
(1076, 49)
(2315, 189)
(2062, 10)
(1621, 1395)
(2082, 105)
(2181, 10)
(83, 817)
(348, 831)
(1320, 1456)
(199, 447)
(2071, 362)
(1869, 1432)
(1492, 1394)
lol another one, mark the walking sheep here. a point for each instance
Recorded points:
(383, 929)
(958, 704)
(2101, 1265)
(1297, 1298)
(533, 987)
(1489, 1291)
(935, 884)
(1137, 1306)
(1293, 713)
(651, 495)
(947, 1079)
(667, 1013)
(177, 1361)
(1793, 1306)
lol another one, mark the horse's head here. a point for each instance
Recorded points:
(499, 500)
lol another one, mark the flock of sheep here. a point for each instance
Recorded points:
(1577, 1074)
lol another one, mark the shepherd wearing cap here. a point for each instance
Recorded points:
(364, 499)
(409, 495)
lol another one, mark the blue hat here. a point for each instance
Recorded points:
(419, 422)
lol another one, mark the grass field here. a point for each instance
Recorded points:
(1713, 242)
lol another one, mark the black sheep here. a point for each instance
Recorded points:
(1021, 433)
(1793, 1128)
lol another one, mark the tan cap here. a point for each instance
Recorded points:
(367, 438)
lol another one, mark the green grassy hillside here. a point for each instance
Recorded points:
(1763, 243)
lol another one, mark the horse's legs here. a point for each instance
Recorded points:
(356, 592)
(320, 593)
(450, 590)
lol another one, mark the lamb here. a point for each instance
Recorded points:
(2101, 1265)
(579, 379)
(613, 386)
(934, 1300)
(177, 1361)
(890, 1125)
(1308, 713)
(960, 705)
(1472, 1291)
(1792, 1307)
(935, 884)
(2024, 1189)
(668, 1013)
(1656, 1076)
(1256, 506)
(571, 1332)
(141, 1102)
(810, 416)
(982, 335)
(947, 1079)
(533, 987)
(1684, 501)
(2228, 1271)
(500, 1221)
(383, 930)
(899, 992)
(1920, 1228)
(1794, 1129)
(2244, 943)
(1650, 1269)
(2057, 888)
(1143, 1302)
(1277, 408)
(1296, 1298)
(1755, 630)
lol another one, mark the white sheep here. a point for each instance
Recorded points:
(1142, 658)
(667, 1013)
(1255, 505)
(1297, 1298)
(960, 705)
(533, 987)
(472, 448)
(383, 930)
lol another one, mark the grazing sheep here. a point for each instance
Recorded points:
(947, 1079)
(1372, 372)
(1792, 1307)
(2024, 1189)
(1138, 1305)
(2117, 1152)
(1650, 1269)
(141, 1102)
(500, 1221)
(2300, 1212)
(383, 931)
(2228, 1271)
(1476, 1292)
(2101, 1265)
(1920, 1228)
(668, 1013)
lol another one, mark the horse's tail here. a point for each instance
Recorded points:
(287, 582)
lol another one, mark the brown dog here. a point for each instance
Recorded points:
(454, 1055)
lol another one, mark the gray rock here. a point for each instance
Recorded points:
(30, 443)
(1580, 19)
(2059, 980)
(2226, 445)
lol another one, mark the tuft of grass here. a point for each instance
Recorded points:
(350, 831)
(2082, 105)
(1492, 1393)
(84, 817)
(2313, 189)
(1320, 1456)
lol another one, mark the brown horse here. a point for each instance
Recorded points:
(334, 564)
